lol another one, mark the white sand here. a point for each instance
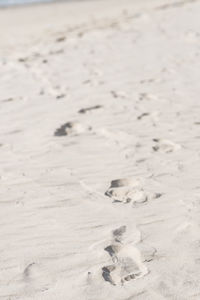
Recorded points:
(68, 230)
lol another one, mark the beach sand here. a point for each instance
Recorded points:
(99, 151)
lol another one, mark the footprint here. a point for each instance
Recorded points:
(145, 96)
(154, 116)
(8, 100)
(140, 117)
(36, 278)
(165, 146)
(85, 110)
(60, 39)
(23, 59)
(71, 128)
(60, 96)
(118, 94)
(127, 263)
(27, 274)
(55, 52)
(126, 190)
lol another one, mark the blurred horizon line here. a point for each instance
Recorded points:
(7, 3)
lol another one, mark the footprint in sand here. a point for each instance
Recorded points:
(165, 146)
(126, 261)
(34, 278)
(60, 96)
(154, 116)
(141, 116)
(60, 39)
(71, 128)
(87, 109)
(128, 190)
(118, 94)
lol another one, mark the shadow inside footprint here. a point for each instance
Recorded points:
(106, 273)
(111, 250)
(118, 233)
(62, 131)
(130, 277)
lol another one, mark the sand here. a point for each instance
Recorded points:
(99, 151)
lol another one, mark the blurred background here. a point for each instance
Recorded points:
(4, 3)
(18, 2)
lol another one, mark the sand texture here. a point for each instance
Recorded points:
(100, 151)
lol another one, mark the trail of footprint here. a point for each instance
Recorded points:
(33, 63)
(71, 128)
(175, 4)
(165, 146)
(127, 263)
(128, 190)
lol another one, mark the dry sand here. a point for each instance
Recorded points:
(99, 151)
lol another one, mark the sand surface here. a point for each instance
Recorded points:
(100, 151)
